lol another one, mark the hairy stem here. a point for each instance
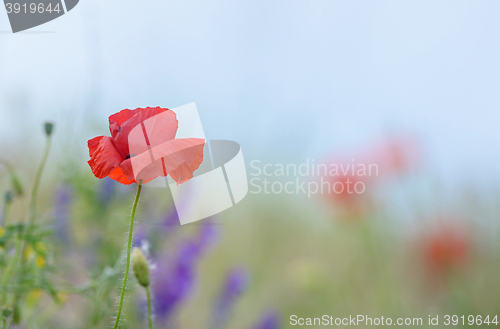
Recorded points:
(150, 317)
(127, 265)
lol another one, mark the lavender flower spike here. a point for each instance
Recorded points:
(174, 279)
(269, 320)
(236, 283)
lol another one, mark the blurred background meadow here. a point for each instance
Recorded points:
(409, 85)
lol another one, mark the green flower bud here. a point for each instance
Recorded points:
(16, 183)
(6, 312)
(49, 127)
(140, 267)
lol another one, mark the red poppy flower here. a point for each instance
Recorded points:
(447, 248)
(348, 194)
(142, 146)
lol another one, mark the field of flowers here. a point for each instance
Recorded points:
(405, 249)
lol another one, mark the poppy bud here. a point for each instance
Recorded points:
(140, 267)
(49, 127)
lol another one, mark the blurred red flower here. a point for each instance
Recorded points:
(363, 170)
(143, 146)
(348, 192)
(447, 248)
(368, 168)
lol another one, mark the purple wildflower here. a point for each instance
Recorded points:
(269, 320)
(236, 283)
(62, 212)
(173, 281)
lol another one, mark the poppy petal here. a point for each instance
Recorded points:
(93, 144)
(161, 127)
(150, 170)
(120, 132)
(103, 156)
(177, 157)
(152, 132)
(122, 116)
(118, 175)
(184, 172)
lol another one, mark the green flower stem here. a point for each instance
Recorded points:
(34, 192)
(20, 247)
(150, 317)
(129, 244)
(30, 219)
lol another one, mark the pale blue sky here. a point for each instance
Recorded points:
(301, 78)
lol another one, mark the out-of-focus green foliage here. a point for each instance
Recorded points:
(305, 258)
